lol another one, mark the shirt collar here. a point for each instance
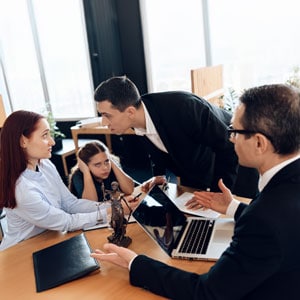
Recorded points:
(267, 176)
(150, 128)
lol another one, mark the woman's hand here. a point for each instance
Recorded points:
(156, 180)
(119, 256)
(216, 201)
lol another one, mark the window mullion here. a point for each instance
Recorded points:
(39, 54)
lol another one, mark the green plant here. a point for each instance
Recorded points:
(230, 99)
(294, 79)
(54, 130)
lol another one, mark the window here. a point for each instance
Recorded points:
(173, 35)
(44, 57)
(255, 41)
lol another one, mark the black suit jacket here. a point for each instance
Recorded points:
(262, 261)
(195, 136)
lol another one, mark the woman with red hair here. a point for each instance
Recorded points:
(32, 192)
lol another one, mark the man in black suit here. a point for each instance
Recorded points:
(263, 259)
(184, 133)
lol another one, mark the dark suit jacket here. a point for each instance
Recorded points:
(194, 133)
(262, 261)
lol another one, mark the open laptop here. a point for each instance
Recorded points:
(181, 236)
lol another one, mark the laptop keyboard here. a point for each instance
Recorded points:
(197, 237)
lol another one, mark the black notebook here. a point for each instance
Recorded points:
(63, 262)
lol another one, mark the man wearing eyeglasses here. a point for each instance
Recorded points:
(263, 259)
(182, 132)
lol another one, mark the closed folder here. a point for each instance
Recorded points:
(63, 262)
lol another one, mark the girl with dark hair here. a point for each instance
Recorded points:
(94, 172)
(32, 192)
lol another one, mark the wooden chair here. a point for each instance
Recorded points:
(207, 83)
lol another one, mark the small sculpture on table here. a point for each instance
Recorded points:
(118, 221)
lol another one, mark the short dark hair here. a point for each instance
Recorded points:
(120, 91)
(275, 111)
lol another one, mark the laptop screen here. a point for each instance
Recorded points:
(160, 218)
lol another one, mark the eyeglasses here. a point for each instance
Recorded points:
(233, 132)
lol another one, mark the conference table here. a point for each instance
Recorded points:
(17, 279)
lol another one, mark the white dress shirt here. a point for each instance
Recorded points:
(44, 202)
(151, 132)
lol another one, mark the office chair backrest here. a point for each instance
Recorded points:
(207, 82)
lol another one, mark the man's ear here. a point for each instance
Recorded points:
(131, 111)
(262, 143)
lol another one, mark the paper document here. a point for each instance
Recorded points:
(90, 122)
(105, 224)
(202, 212)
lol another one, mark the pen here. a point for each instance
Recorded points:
(135, 198)
(166, 184)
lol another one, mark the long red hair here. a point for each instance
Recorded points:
(13, 160)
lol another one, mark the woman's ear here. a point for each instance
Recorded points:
(23, 141)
